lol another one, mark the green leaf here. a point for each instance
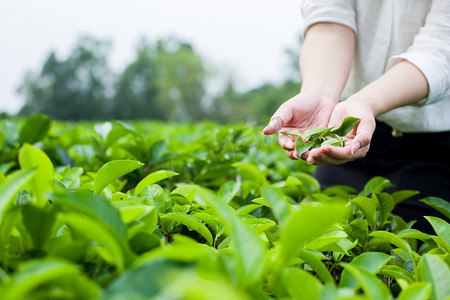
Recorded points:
(319, 132)
(95, 206)
(250, 172)
(11, 187)
(34, 128)
(153, 178)
(39, 223)
(442, 229)
(228, 190)
(187, 191)
(399, 196)
(191, 223)
(333, 142)
(386, 204)
(435, 271)
(156, 195)
(294, 133)
(301, 146)
(439, 204)
(368, 207)
(246, 245)
(71, 176)
(120, 129)
(416, 291)
(415, 234)
(183, 249)
(388, 237)
(112, 249)
(131, 211)
(310, 287)
(372, 262)
(113, 170)
(279, 204)
(308, 181)
(2, 140)
(397, 273)
(33, 273)
(326, 239)
(372, 286)
(315, 264)
(375, 185)
(10, 218)
(31, 157)
(144, 281)
(247, 209)
(346, 126)
(308, 222)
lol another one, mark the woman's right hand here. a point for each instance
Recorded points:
(303, 111)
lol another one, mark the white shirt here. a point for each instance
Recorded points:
(388, 31)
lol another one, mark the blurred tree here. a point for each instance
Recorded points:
(225, 105)
(71, 89)
(166, 81)
(255, 105)
(268, 97)
(136, 89)
(181, 79)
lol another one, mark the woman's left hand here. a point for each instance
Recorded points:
(357, 141)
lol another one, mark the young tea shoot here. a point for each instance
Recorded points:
(316, 137)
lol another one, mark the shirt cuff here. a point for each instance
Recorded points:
(433, 73)
(340, 12)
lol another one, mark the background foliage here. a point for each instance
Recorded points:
(167, 80)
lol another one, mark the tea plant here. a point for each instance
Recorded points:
(157, 211)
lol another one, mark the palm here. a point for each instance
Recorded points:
(300, 113)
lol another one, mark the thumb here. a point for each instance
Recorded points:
(275, 124)
(364, 133)
(279, 119)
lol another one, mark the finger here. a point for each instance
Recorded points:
(330, 153)
(286, 142)
(275, 124)
(279, 119)
(292, 154)
(363, 136)
(317, 160)
(321, 157)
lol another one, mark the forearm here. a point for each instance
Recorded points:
(401, 85)
(326, 59)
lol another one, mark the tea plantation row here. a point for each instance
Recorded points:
(148, 210)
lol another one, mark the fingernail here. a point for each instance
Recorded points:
(355, 147)
(290, 144)
(266, 128)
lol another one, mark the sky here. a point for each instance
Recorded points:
(245, 38)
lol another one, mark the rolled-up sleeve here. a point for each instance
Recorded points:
(333, 11)
(430, 52)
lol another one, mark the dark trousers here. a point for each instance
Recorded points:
(414, 161)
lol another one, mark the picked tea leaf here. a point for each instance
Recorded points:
(316, 137)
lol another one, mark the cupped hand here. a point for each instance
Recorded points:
(299, 113)
(357, 141)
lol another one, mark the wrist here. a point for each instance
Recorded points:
(320, 93)
(369, 102)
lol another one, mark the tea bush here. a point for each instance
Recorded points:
(149, 210)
